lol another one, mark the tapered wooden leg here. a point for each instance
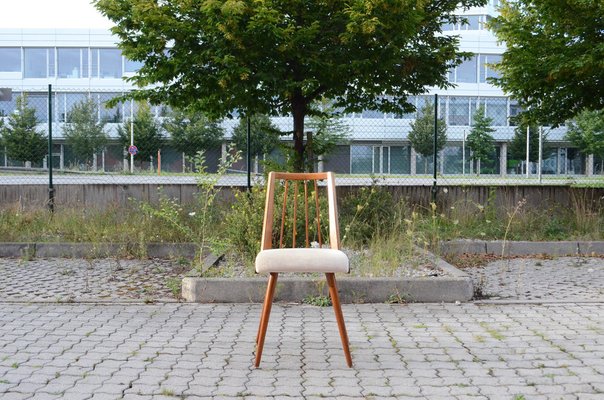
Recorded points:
(266, 312)
(337, 308)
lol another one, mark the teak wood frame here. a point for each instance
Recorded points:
(267, 243)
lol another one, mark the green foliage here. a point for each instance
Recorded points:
(264, 135)
(244, 222)
(148, 135)
(479, 140)
(517, 146)
(421, 136)
(365, 213)
(84, 132)
(317, 300)
(328, 131)
(192, 132)
(587, 132)
(22, 140)
(553, 58)
(196, 226)
(274, 57)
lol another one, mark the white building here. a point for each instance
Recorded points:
(80, 63)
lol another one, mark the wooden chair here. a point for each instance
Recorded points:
(278, 257)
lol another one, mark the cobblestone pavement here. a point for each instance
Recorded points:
(559, 279)
(192, 351)
(68, 280)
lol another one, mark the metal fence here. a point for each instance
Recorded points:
(361, 148)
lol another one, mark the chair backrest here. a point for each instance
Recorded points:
(300, 204)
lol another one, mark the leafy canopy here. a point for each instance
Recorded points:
(554, 62)
(148, 134)
(277, 57)
(264, 135)
(480, 141)
(22, 140)
(587, 132)
(421, 136)
(192, 132)
(84, 132)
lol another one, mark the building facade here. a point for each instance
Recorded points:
(81, 64)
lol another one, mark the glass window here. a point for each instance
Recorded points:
(107, 63)
(10, 59)
(496, 108)
(72, 63)
(487, 71)
(38, 62)
(132, 66)
(361, 159)
(466, 71)
(7, 107)
(514, 111)
(372, 114)
(459, 112)
(39, 102)
(453, 160)
(472, 23)
(113, 114)
(400, 160)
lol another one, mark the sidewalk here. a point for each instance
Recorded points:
(118, 350)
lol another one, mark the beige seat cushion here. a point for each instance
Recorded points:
(301, 260)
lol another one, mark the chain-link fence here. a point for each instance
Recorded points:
(477, 141)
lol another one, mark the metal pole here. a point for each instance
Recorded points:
(528, 137)
(435, 156)
(51, 190)
(463, 154)
(248, 151)
(131, 135)
(540, 154)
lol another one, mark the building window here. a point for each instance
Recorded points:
(132, 66)
(487, 71)
(106, 63)
(514, 111)
(361, 159)
(39, 62)
(10, 59)
(459, 111)
(466, 71)
(496, 108)
(472, 23)
(72, 62)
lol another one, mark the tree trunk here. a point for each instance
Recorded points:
(478, 166)
(298, 112)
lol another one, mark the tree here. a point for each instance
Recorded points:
(84, 132)
(421, 136)
(480, 141)
(327, 131)
(192, 132)
(264, 135)
(553, 61)
(587, 132)
(22, 140)
(276, 58)
(148, 135)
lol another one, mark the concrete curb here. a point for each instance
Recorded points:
(93, 250)
(523, 248)
(455, 286)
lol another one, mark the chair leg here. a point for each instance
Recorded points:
(266, 312)
(337, 308)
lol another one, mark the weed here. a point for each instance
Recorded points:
(14, 365)
(519, 397)
(167, 392)
(420, 326)
(397, 298)
(495, 334)
(479, 339)
(317, 300)
(4, 382)
(175, 286)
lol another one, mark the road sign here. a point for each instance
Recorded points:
(6, 94)
(132, 150)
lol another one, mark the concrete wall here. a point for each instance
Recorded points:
(107, 195)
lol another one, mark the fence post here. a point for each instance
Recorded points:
(51, 190)
(248, 151)
(435, 147)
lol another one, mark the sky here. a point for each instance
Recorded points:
(50, 14)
